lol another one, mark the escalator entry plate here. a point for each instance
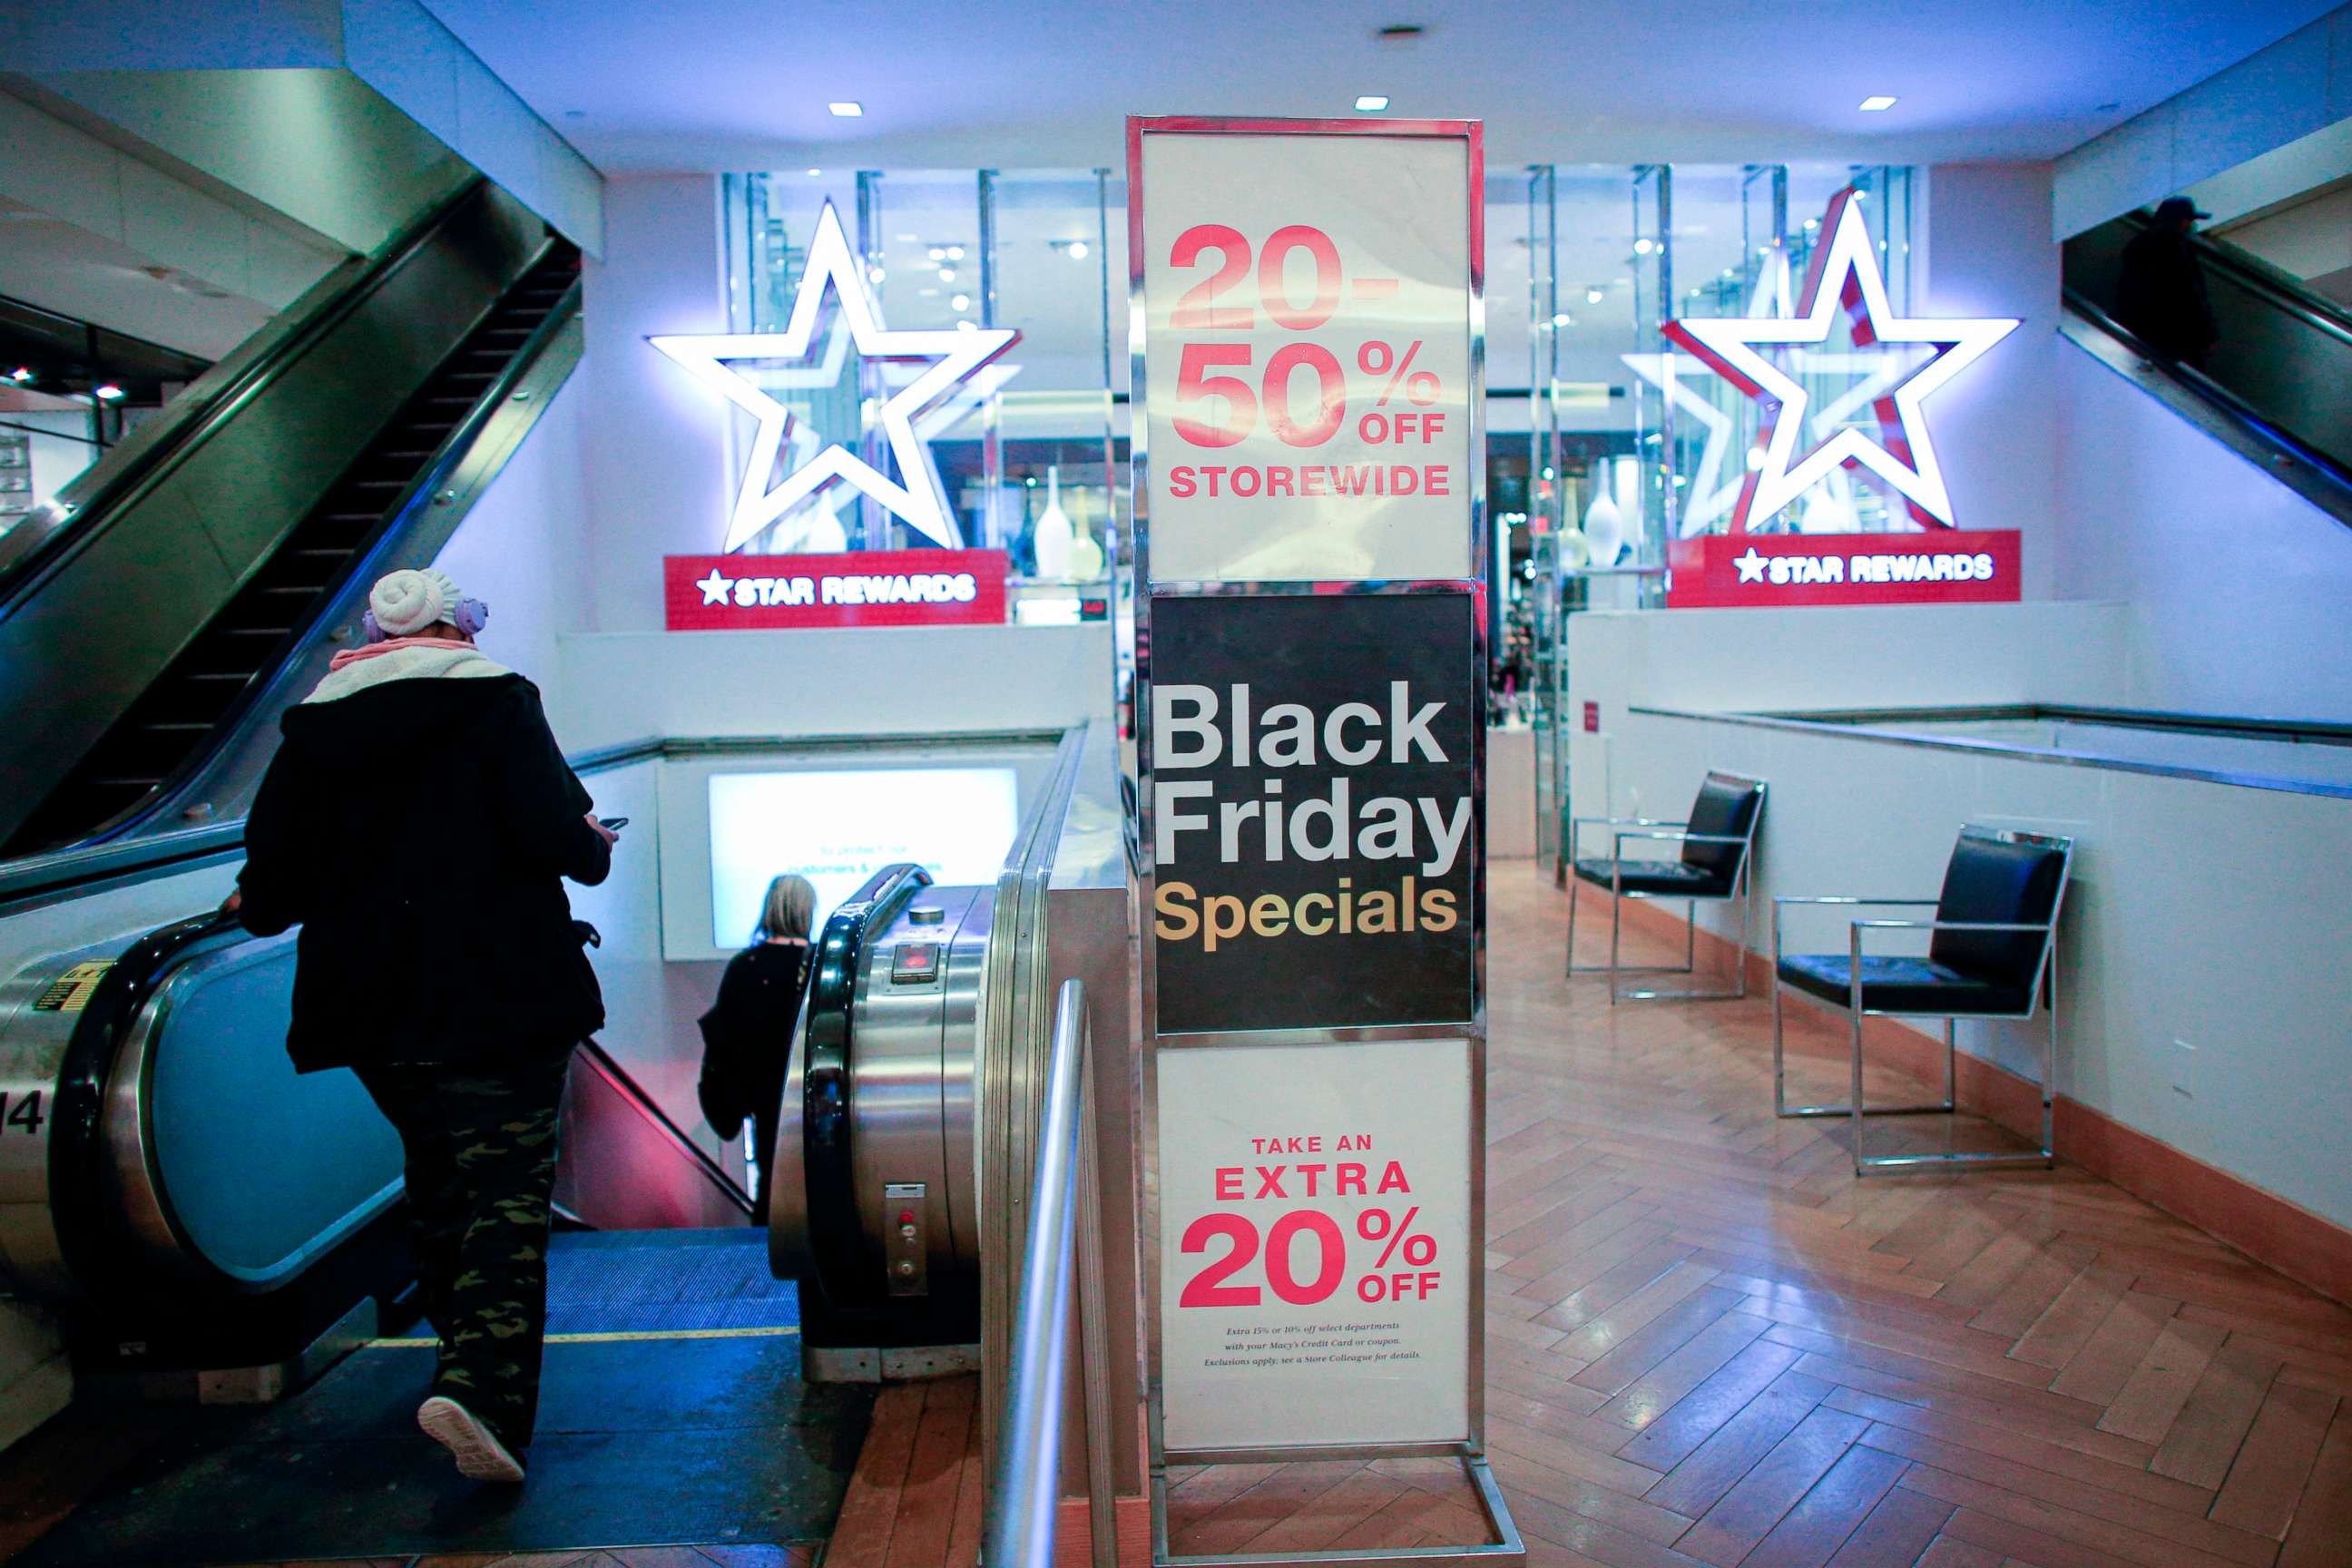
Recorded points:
(71, 992)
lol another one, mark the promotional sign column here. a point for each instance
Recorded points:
(1309, 474)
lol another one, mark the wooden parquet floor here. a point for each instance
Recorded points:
(1708, 1344)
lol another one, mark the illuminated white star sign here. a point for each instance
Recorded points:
(1844, 276)
(947, 359)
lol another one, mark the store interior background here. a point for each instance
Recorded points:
(2162, 571)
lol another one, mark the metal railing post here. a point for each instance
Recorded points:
(1061, 1270)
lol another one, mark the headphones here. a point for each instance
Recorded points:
(469, 616)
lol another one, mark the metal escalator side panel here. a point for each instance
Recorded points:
(40, 1007)
(115, 612)
(908, 1068)
(223, 1164)
(828, 1245)
(962, 1051)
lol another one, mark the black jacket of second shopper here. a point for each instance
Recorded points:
(419, 832)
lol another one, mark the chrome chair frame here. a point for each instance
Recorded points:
(2041, 995)
(1743, 893)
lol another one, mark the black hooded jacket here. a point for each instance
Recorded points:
(418, 831)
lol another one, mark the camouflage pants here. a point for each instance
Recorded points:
(480, 1150)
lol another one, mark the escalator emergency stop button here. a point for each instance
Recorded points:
(915, 963)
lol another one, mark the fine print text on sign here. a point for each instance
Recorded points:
(867, 588)
(1307, 356)
(1314, 818)
(1315, 1243)
(1937, 566)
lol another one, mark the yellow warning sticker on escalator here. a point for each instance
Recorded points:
(71, 992)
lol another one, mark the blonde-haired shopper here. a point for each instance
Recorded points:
(747, 1035)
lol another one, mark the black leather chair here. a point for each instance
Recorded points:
(1993, 953)
(1717, 864)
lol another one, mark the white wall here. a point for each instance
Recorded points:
(1984, 249)
(656, 439)
(2299, 85)
(2191, 918)
(910, 681)
(2237, 586)
(520, 548)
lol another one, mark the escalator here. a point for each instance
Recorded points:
(2278, 384)
(178, 597)
(201, 1218)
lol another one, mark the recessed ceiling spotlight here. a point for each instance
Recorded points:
(1643, 245)
(1876, 102)
(961, 303)
(845, 109)
(947, 274)
(939, 253)
(1372, 102)
(814, 172)
(926, 293)
(1563, 319)
(109, 393)
(955, 253)
(909, 239)
(1077, 250)
(1592, 295)
(965, 326)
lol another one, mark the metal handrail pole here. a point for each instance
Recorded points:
(1025, 1500)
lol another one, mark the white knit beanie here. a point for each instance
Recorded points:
(405, 602)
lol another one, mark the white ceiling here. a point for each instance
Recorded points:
(743, 84)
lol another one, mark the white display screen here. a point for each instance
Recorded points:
(839, 828)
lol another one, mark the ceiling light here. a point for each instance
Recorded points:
(109, 393)
(20, 375)
(966, 326)
(926, 293)
(1643, 245)
(1878, 102)
(814, 172)
(1812, 222)
(874, 272)
(1592, 295)
(939, 253)
(955, 253)
(1077, 250)
(1560, 319)
(947, 274)
(961, 303)
(1372, 103)
(845, 109)
(909, 239)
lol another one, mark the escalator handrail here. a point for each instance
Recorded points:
(2229, 404)
(605, 1067)
(826, 1077)
(455, 448)
(45, 539)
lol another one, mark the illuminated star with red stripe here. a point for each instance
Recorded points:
(1845, 279)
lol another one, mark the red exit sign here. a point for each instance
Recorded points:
(867, 588)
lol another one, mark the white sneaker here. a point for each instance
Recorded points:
(480, 1456)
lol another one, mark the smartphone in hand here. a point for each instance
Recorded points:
(611, 824)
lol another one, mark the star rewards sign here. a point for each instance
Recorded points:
(1314, 811)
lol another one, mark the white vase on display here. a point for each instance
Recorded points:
(1086, 552)
(1604, 531)
(1053, 542)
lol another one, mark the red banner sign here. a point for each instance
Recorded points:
(869, 588)
(1732, 570)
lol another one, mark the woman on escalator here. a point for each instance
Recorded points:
(747, 1035)
(417, 823)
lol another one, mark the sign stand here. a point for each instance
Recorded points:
(1310, 659)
